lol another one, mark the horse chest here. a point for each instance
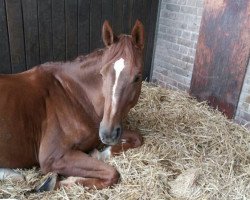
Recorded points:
(80, 133)
(89, 142)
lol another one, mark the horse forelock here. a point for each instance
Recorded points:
(124, 48)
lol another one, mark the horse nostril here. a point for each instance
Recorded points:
(118, 131)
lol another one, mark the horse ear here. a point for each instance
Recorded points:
(138, 34)
(108, 35)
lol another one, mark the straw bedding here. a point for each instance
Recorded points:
(190, 152)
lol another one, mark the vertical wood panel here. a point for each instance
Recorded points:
(137, 11)
(222, 54)
(31, 32)
(127, 16)
(107, 11)
(146, 22)
(45, 30)
(118, 16)
(150, 39)
(58, 30)
(16, 37)
(83, 26)
(95, 24)
(71, 28)
(5, 65)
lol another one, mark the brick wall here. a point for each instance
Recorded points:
(243, 110)
(175, 46)
(178, 29)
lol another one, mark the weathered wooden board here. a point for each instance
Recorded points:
(127, 16)
(45, 30)
(5, 64)
(95, 24)
(71, 17)
(16, 36)
(107, 11)
(58, 30)
(137, 10)
(83, 26)
(150, 33)
(118, 16)
(30, 23)
(222, 54)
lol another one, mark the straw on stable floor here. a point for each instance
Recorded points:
(190, 152)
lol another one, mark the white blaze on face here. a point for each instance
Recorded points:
(118, 66)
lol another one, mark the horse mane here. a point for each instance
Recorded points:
(90, 59)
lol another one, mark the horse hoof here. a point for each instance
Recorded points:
(48, 184)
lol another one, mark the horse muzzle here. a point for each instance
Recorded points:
(110, 136)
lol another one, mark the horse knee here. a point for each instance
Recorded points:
(44, 168)
(113, 177)
(47, 166)
(53, 165)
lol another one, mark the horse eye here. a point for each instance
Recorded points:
(137, 79)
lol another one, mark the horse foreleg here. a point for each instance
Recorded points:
(109, 176)
(86, 170)
(52, 182)
(70, 181)
(129, 140)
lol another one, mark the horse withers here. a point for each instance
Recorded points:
(56, 114)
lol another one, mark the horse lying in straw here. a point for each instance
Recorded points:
(55, 114)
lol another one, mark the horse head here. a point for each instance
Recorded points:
(122, 65)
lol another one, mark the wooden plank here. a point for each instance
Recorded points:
(137, 11)
(58, 30)
(5, 64)
(31, 32)
(71, 16)
(45, 30)
(107, 11)
(95, 24)
(83, 26)
(16, 37)
(146, 10)
(118, 16)
(150, 41)
(146, 13)
(127, 16)
(222, 54)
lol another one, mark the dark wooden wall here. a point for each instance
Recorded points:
(222, 54)
(37, 31)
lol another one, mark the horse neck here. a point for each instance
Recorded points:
(82, 79)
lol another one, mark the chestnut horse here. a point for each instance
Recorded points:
(56, 114)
